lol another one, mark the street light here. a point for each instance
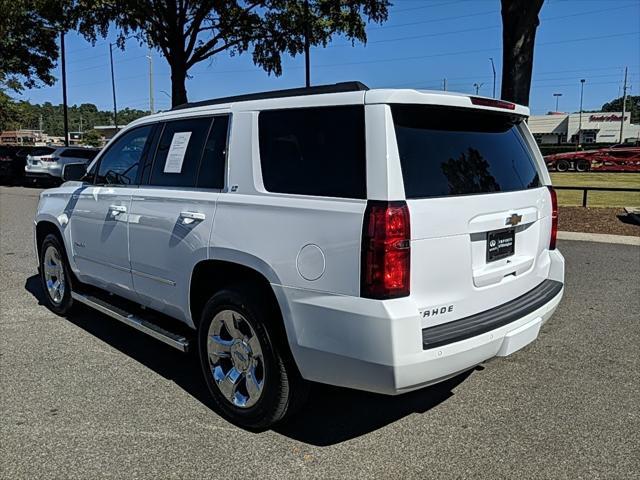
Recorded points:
(493, 67)
(113, 88)
(64, 89)
(113, 82)
(168, 96)
(557, 95)
(477, 87)
(150, 58)
(580, 122)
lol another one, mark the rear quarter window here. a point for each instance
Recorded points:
(446, 152)
(314, 151)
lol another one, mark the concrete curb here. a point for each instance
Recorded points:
(600, 238)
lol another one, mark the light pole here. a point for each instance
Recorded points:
(150, 82)
(64, 89)
(493, 67)
(477, 87)
(113, 88)
(557, 95)
(580, 121)
(307, 54)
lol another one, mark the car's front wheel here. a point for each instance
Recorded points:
(247, 374)
(55, 275)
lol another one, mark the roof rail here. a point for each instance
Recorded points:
(290, 92)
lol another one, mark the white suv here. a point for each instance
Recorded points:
(382, 240)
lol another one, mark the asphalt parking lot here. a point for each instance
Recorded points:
(86, 397)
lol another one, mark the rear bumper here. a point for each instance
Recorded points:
(51, 171)
(379, 346)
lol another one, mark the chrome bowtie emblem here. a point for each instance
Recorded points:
(513, 220)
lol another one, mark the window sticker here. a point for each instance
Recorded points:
(177, 150)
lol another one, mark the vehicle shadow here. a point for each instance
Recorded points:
(331, 415)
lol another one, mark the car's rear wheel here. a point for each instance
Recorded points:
(55, 275)
(562, 165)
(244, 367)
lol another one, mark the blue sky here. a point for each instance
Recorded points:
(423, 42)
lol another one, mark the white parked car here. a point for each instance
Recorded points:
(46, 165)
(383, 240)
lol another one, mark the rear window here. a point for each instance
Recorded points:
(36, 152)
(314, 151)
(79, 153)
(445, 152)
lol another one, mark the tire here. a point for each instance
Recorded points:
(250, 379)
(55, 275)
(562, 165)
(583, 166)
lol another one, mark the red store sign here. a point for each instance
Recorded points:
(606, 118)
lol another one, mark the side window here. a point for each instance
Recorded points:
(119, 164)
(69, 152)
(314, 151)
(211, 173)
(179, 152)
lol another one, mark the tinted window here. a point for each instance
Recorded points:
(36, 152)
(314, 151)
(119, 164)
(211, 173)
(446, 151)
(79, 153)
(179, 152)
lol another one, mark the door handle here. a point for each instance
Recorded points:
(190, 217)
(116, 210)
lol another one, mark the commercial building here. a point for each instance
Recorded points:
(37, 138)
(595, 127)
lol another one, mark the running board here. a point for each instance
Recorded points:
(140, 324)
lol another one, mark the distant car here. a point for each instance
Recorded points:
(13, 159)
(7, 164)
(46, 165)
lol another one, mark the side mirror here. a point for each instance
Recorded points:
(73, 171)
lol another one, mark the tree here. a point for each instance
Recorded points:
(93, 138)
(8, 112)
(633, 107)
(188, 32)
(519, 24)
(23, 114)
(28, 33)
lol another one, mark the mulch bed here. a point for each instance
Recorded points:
(614, 221)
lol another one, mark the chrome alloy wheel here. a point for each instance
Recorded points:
(54, 274)
(235, 358)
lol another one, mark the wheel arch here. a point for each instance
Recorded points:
(43, 228)
(211, 275)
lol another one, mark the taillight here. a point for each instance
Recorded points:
(554, 219)
(490, 102)
(386, 253)
(48, 158)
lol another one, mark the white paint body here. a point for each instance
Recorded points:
(309, 249)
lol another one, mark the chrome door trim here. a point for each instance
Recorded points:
(100, 262)
(166, 281)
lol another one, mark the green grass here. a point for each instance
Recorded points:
(598, 199)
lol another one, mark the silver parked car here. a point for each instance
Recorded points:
(47, 167)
